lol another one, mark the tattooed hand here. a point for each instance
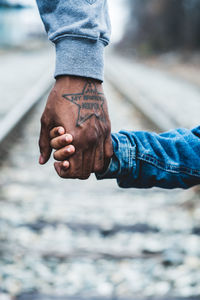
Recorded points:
(79, 105)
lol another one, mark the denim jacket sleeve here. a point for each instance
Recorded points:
(80, 30)
(143, 159)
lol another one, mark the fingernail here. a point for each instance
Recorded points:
(69, 149)
(41, 160)
(66, 164)
(60, 130)
(67, 138)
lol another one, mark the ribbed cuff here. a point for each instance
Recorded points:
(80, 57)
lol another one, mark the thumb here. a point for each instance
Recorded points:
(44, 145)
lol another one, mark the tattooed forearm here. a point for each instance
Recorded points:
(89, 101)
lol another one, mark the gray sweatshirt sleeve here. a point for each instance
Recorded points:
(80, 30)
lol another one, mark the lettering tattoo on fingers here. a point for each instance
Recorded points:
(90, 103)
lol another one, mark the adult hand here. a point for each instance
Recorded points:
(79, 106)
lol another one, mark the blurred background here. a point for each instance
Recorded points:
(20, 24)
(64, 239)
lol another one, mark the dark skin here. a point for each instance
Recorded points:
(79, 106)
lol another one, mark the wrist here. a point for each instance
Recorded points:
(75, 83)
(72, 78)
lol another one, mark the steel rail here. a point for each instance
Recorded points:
(18, 112)
(117, 76)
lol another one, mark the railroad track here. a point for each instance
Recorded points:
(48, 225)
(49, 297)
(165, 99)
(24, 106)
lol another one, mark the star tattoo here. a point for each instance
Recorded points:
(90, 103)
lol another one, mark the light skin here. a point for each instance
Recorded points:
(79, 106)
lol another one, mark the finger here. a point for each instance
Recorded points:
(59, 168)
(65, 164)
(61, 141)
(44, 145)
(57, 131)
(64, 153)
(61, 165)
(75, 166)
(87, 164)
(99, 158)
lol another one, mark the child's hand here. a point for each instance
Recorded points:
(61, 142)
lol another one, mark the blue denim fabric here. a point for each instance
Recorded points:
(144, 159)
(80, 30)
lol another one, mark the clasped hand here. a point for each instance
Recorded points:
(76, 106)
